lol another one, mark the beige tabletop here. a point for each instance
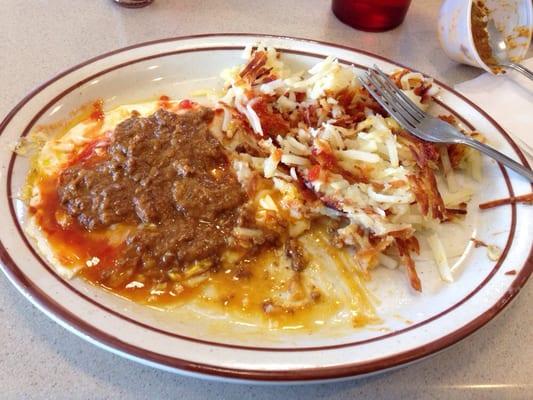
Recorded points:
(41, 360)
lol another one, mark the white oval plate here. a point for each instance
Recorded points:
(415, 325)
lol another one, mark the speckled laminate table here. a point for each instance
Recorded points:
(41, 360)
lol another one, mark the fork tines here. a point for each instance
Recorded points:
(423, 125)
(391, 98)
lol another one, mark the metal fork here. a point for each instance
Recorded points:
(423, 125)
(517, 67)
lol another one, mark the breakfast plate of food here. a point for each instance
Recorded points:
(239, 207)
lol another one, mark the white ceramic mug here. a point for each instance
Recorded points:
(455, 28)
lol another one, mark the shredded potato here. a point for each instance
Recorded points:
(440, 257)
(326, 135)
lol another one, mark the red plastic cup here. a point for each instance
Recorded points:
(371, 15)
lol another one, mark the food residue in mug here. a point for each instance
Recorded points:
(480, 34)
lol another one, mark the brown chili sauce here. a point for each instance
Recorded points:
(170, 181)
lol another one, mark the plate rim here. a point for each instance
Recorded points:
(83, 328)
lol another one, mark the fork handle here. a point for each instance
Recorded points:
(502, 158)
(520, 68)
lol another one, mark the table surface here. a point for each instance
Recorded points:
(39, 359)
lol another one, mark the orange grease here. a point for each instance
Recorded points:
(98, 113)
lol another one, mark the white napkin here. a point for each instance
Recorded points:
(508, 99)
